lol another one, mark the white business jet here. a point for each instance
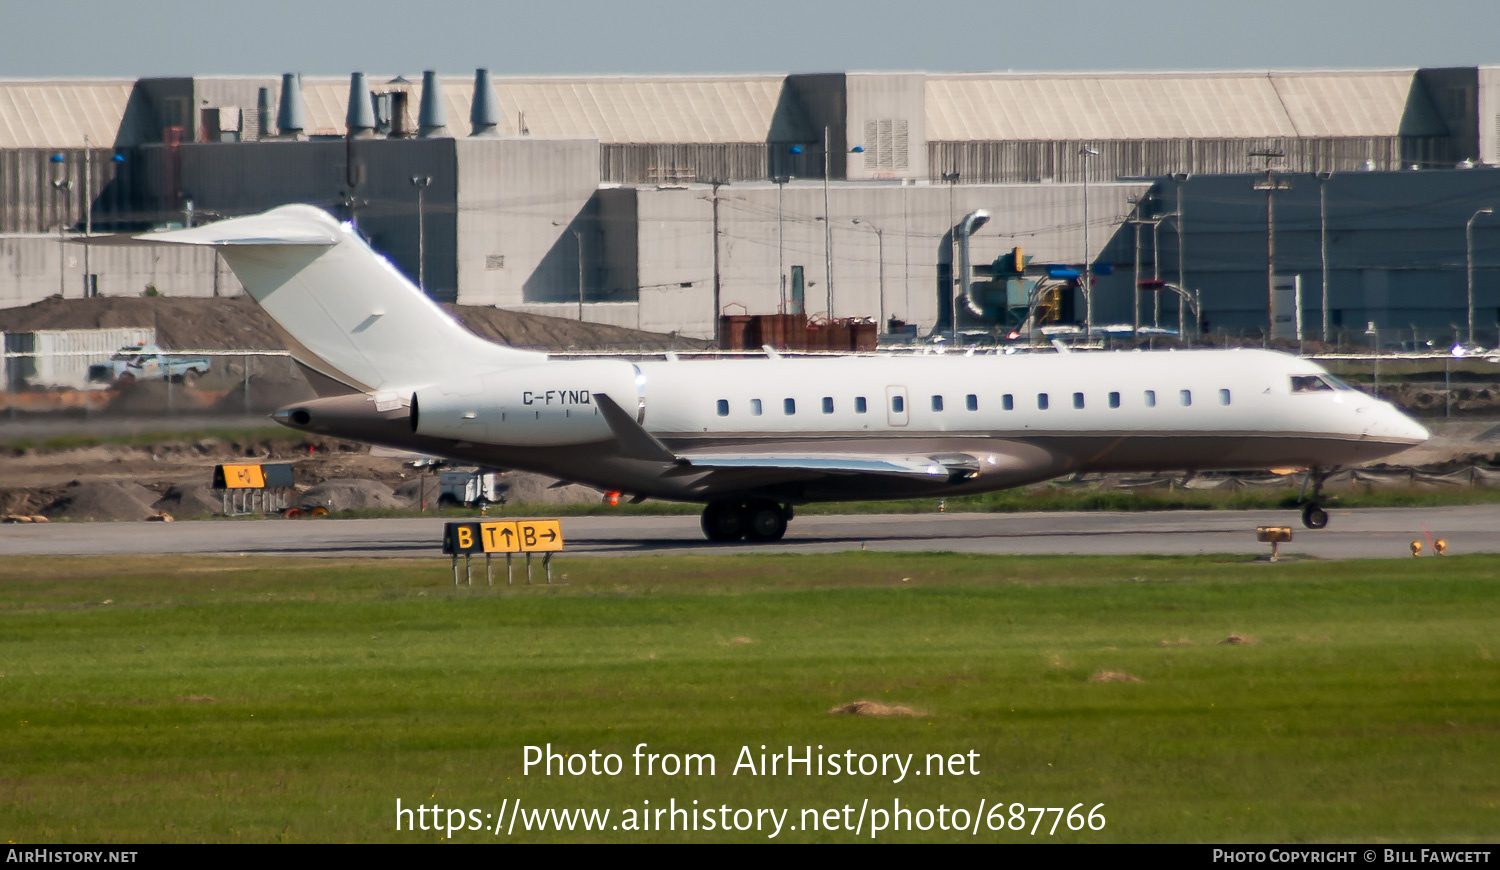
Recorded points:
(753, 438)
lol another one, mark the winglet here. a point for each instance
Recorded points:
(635, 442)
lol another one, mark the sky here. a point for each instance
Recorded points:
(133, 38)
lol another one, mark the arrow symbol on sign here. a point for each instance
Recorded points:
(507, 533)
(551, 535)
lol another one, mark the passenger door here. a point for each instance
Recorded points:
(897, 409)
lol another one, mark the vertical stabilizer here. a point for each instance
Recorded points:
(343, 309)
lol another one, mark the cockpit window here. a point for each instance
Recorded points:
(1310, 384)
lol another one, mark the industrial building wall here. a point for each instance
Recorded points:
(32, 270)
(368, 180)
(518, 201)
(31, 202)
(1396, 247)
(1062, 161)
(676, 245)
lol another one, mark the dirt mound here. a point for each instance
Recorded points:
(1114, 677)
(350, 494)
(179, 323)
(560, 334)
(238, 323)
(873, 708)
(190, 500)
(1238, 639)
(536, 489)
(103, 500)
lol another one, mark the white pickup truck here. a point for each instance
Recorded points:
(147, 362)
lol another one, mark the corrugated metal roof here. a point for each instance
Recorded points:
(1177, 106)
(709, 110)
(613, 110)
(59, 114)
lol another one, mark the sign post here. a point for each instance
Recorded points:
(503, 536)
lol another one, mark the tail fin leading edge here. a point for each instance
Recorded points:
(343, 309)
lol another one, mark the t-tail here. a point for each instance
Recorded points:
(345, 313)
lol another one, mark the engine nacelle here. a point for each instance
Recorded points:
(531, 406)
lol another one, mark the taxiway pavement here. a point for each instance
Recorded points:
(1351, 534)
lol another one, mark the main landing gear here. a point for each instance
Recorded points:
(1313, 515)
(754, 520)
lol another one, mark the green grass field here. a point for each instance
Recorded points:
(196, 699)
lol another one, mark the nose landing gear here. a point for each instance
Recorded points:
(756, 520)
(1313, 514)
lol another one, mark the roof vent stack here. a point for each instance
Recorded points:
(291, 119)
(432, 120)
(484, 112)
(263, 114)
(361, 116)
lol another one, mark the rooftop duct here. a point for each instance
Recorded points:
(361, 116)
(484, 112)
(968, 227)
(291, 119)
(432, 120)
(263, 114)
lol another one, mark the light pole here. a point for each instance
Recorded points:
(1323, 179)
(1469, 260)
(1088, 289)
(61, 184)
(827, 228)
(1177, 179)
(781, 181)
(1270, 186)
(880, 253)
(421, 183)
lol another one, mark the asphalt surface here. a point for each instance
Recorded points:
(1351, 534)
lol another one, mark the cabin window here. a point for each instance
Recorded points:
(1041, 401)
(898, 404)
(789, 406)
(860, 406)
(1151, 398)
(723, 407)
(828, 404)
(1186, 396)
(755, 407)
(937, 403)
(1008, 402)
(1078, 401)
(972, 402)
(1114, 400)
(1223, 397)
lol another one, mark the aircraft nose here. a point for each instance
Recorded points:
(1390, 424)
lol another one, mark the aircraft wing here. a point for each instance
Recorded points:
(636, 442)
(950, 467)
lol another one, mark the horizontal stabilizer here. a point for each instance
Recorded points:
(344, 311)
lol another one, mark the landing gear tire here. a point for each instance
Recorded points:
(1313, 516)
(723, 521)
(764, 521)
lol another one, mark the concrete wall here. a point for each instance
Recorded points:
(519, 200)
(1489, 115)
(29, 270)
(887, 116)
